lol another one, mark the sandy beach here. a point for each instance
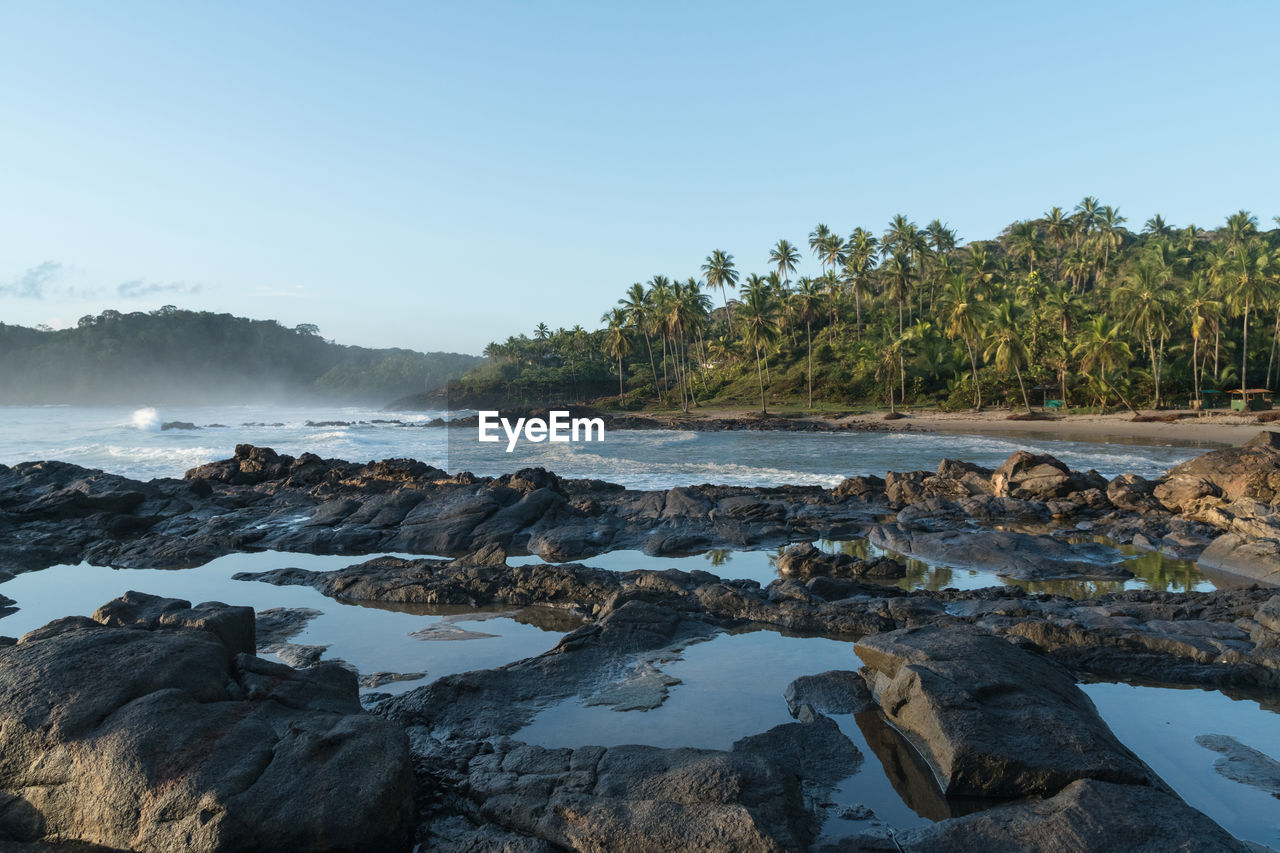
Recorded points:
(1211, 429)
(1207, 429)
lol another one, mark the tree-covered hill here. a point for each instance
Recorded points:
(1071, 306)
(171, 355)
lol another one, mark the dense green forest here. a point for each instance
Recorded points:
(170, 355)
(1071, 306)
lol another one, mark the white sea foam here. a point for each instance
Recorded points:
(147, 419)
(129, 442)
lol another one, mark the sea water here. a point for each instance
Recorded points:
(131, 441)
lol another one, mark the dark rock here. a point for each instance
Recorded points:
(184, 425)
(805, 560)
(1250, 471)
(1134, 493)
(834, 692)
(992, 720)
(1086, 815)
(281, 624)
(1030, 476)
(860, 487)
(151, 728)
(377, 679)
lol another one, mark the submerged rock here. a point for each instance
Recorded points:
(152, 726)
(1010, 553)
(1244, 764)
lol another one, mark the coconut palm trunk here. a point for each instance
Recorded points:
(808, 333)
(764, 409)
(1022, 386)
(1244, 353)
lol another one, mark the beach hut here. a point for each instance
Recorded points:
(1251, 400)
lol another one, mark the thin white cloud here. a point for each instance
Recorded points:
(32, 283)
(137, 288)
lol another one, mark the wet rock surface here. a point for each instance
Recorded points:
(989, 667)
(1023, 556)
(153, 726)
(806, 561)
(52, 512)
(954, 695)
(1086, 815)
(1244, 764)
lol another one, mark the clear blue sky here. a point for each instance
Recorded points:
(440, 175)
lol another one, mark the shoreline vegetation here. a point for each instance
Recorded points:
(1070, 307)
(176, 356)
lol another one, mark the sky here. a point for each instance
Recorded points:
(440, 175)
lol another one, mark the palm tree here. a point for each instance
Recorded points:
(719, 272)
(1241, 225)
(638, 307)
(1057, 226)
(832, 251)
(1202, 313)
(1025, 243)
(901, 275)
(962, 317)
(1157, 227)
(1101, 349)
(817, 240)
(1061, 305)
(860, 256)
(807, 301)
(1086, 214)
(1110, 235)
(888, 367)
(941, 238)
(759, 330)
(1245, 277)
(1005, 345)
(1143, 301)
(617, 343)
(785, 258)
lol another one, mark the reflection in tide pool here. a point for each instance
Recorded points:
(1151, 569)
(370, 638)
(1162, 724)
(732, 686)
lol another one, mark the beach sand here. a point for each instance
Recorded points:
(1210, 429)
(1206, 429)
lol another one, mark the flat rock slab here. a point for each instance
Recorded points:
(1257, 559)
(992, 719)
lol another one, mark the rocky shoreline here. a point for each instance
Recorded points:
(195, 742)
